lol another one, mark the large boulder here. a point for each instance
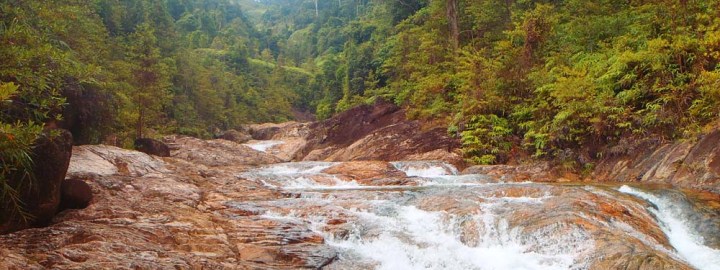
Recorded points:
(91, 161)
(152, 147)
(75, 194)
(51, 157)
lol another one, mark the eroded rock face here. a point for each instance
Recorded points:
(684, 164)
(91, 161)
(51, 156)
(538, 172)
(272, 131)
(377, 132)
(396, 142)
(218, 152)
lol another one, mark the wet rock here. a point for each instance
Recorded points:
(75, 194)
(395, 142)
(376, 173)
(367, 132)
(236, 136)
(51, 156)
(152, 147)
(289, 150)
(537, 172)
(320, 154)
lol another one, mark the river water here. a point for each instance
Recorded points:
(443, 220)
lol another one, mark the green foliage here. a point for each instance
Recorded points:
(16, 140)
(486, 139)
(546, 76)
(549, 77)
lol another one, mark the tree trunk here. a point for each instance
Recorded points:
(140, 123)
(452, 16)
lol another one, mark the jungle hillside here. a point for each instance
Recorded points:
(548, 78)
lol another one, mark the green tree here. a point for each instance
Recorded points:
(151, 77)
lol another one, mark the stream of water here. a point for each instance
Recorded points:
(450, 221)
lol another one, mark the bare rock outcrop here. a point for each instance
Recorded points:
(536, 172)
(167, 213)
(367, 132)
(397, 142)
(685, 164)
(273, 131)
(218, 152)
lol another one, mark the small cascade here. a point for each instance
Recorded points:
(441, 220)
(411, 238)
(262, 146)
(672, 219)
(427, 169)
(439, 173)
(298, 176)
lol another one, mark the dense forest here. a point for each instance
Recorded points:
(542, 77)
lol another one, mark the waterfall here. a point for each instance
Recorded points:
(262, 146)
(688, 243)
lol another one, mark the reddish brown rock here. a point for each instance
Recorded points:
(278, 131)
(684, 164)
(163, 214)
(378, 132)
(376, 173)
(537, 172)
(218, 152)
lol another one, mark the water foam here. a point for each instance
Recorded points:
(263, 146)
(425, 168)
(687, 242)
(418, 239)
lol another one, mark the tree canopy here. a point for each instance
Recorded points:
(546, 77)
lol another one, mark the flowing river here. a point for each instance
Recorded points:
(438, 219)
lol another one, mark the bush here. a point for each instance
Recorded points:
(16, 140)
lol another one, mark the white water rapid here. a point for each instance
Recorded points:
(262, 146)
(688, 243)
(448, 221)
